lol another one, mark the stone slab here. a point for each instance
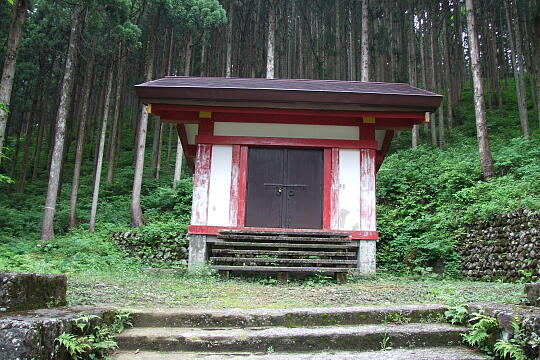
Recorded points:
(450, 353)
(287, 317)
(32, 334)
(283, 339)
(21, 291)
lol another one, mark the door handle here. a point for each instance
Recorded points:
(291, 192)
(279, 191)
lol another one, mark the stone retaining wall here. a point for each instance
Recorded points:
(506, 247)
(168, 251)
(20, 291)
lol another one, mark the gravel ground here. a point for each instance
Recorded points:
(172, 290)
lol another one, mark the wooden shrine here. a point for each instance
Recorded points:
(284, 170)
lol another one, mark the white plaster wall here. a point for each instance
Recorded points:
(349, 189)
(219, 193)
(191, 132)
(287, 130)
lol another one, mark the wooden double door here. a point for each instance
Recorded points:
(284, 188)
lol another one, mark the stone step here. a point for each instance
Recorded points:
(291, 269)
(285, 245)
(283, 238)
(216, 260)
(284, 339)
(361, 315)
(284, 233)
(431, 353)
(285, 253)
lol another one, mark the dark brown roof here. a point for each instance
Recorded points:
(337, 94)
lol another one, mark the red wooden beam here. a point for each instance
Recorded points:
(214, 230)
(235, 177)
(384, 150)
(242, 186)
(290, 142)
(189, 150)
(327, 186)
(334, 191)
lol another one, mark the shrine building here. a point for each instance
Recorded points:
(284, 170)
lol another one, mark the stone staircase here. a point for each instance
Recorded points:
(404, 332)
(283, 252)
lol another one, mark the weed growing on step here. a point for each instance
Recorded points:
(91, 338)
(513, 348)
(482, 331)
(457, 314)
(385, 343)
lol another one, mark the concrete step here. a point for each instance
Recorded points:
(285, 253)
(284, 339)
(288, 269)
(279, 238)
(360, 315)
(233, 244)
(220, 259)
(448, 353)
(289, 233)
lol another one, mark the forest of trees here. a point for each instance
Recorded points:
(69, 67)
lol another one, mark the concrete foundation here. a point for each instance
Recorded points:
(366, 257)
(198, 251)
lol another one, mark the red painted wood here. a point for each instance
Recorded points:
(201, 182)
(367, 132)
(334, 191)
(189, 150)
(156, 108)
(206, 127)
(214, 230)
(235, 177)
(367, 190)
(384, 150)
(286, 142)
(242, 186)
(327, 188)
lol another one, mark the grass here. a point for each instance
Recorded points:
(156, 290)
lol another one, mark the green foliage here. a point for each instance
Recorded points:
(482, 329)
(457, 314)
(92, 338)
(427, 197)
(514, 348)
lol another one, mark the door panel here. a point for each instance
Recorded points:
(264, 204)
(284, 188)
(304, 203)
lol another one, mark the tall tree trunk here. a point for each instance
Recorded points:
(517, 60)
(228, 65)
(28, 136)
(447, 67)
(365, 40)
(432, 82)
(41, 135)
(178, 163)
(95, 194)
(116, 121)
(413, 75)
(47, 231)
(137, 218)
(486, 161)
(18, 17)
(80, 141)
(271, 40)
(536, 43)
(352, 42)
